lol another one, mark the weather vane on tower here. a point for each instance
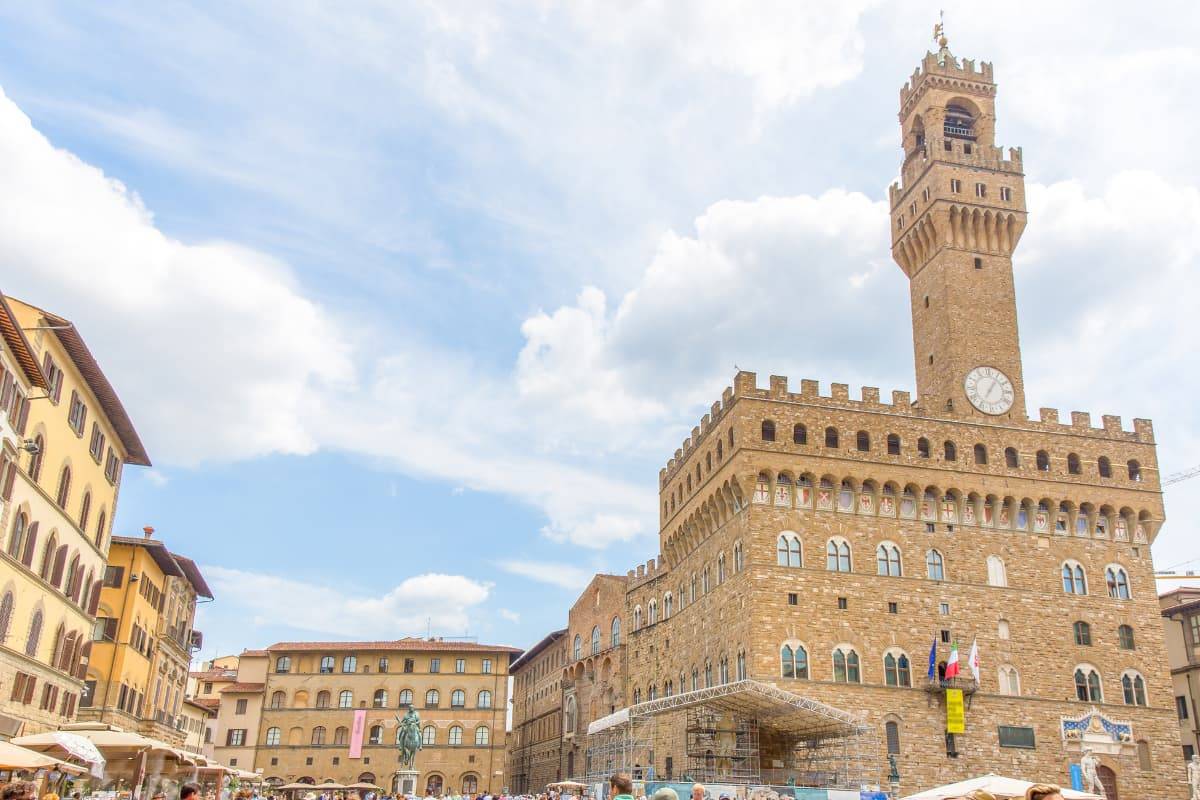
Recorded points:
(939, 30)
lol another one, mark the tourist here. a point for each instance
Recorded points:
(620, 787)
(19, 790)
(188, 791)
(1043, 791)
(664, 793)
(697, 791)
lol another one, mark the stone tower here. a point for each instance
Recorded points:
(957, 216)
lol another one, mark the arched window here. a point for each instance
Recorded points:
(794, 661)
(273, 736)
(893, 444)
(742, 674)
(1043, 461)
(37, 458)
(406, 697)
(322, 699)
(341, 735)
(887, 560)
(1073, 466)
(739, 562)
(1125, 637)
(470, 783)
(837, 555)
(1133, 687)
(485, 699)
(101, 524)
(1083, 633)
(896, 669)
(652, 606)
(949, 451)
(1010, 680)
(799, 434)
(669, 599)
(923, 447)
(616, 631)
(637, 614)
(577, 649)
(1073, 579)
(1117, 582)
(48, 556)
(845, 665)
(455, 735)
(1087, 684)
(380, 699)
(1010, 458)
(831, 437)
(1135, 471)
(346, 699)
(891, 730)
(1104, 466)
(326, 667)
(35, 634)
(283, 664)
(318, 735)
(862, 441)
(17, 539)
(595, 640)
(768, 430)
(997, 574)
(980, 454)
(483, 735)
(376, 735)
(429, 735)
(569, 715)
(85, 510)
(788, 551)
(432, 698)
(64, 488)
(935, 566)
(278, 699)
(6, 613)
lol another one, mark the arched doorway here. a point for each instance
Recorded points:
(1108, 779)
(366, 777)
(433, 785)
(470, 783)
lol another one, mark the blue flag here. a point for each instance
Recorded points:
(933, 659)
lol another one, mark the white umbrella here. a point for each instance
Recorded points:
(996, 785)
(15, 757)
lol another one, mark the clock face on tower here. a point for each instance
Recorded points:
(989, 390)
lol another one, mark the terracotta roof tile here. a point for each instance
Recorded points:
(254, 653)
(19, 344)
(215, 675)
(242, 688)
(412, 643)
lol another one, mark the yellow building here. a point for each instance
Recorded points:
(68, 436)
(143, 643)
(204, 689)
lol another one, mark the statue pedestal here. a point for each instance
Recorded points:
(406, 781)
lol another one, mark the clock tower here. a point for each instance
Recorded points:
(957, 215)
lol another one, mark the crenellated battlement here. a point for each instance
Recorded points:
(956, 152)
(745, 386)
(646, 573)
(944, 69)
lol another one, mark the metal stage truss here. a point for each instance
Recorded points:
(742, 733)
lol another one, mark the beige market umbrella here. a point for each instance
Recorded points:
(290, 786)
(328, 785)
(364, 785)
(14, 757)
(997, 785)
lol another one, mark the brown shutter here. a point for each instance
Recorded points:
(85, 655)
(6, 386)
(30, 545)
(94, 600)
(60, 560)
(110, 629)
(30, 683)
(23, 417)
(8, 474)
(60, 644)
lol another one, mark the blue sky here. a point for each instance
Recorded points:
(410, 302)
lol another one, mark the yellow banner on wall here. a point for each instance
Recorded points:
(956, 721)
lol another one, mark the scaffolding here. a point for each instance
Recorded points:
(727, 733)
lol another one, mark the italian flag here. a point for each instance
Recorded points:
(952, 663)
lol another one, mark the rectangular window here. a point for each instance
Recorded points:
(1015, 736)
(793, 599)
(955, 185)
(114, 577)
(233, 762)
(1181, 706)
(1188, 752)
(89, 691)
(944, 609)
(843, 603)
(945, 636)
(112, 466)
(350, 664)
(951, 748)
(460, 665)
(235, 737)
(1194, 622)
(487, 666)
(383, 665)
(77, 416)
(1006, 194)
(409, 665)
(435, 665)
(981, 190)
(240, 707)
(893, 608)
(54, 379)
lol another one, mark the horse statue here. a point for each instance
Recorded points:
(408, 738)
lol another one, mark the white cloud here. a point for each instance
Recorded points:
(509, 614)
(566, 576)
(156, 477)
(444, 602)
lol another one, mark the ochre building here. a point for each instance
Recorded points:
(143, 640)
(292, 712)
(1181, 621)
(535, 741)
(824, 542)
(66, 437)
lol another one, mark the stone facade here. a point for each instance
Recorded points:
(535, 741)
(1181, 624)
(301, 700)
(595, 678)
(825, 544)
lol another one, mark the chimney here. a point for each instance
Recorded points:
(149, 531)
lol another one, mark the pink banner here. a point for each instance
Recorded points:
(356, 734)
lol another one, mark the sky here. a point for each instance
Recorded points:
(410, 302)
